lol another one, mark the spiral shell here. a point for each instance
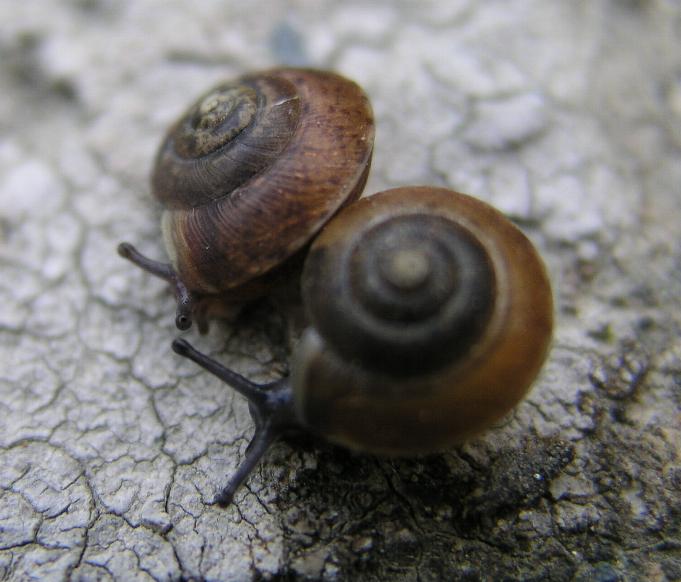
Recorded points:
(255, 168)
(430, 316)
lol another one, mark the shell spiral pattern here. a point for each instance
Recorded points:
(441, 319)
(255, 168)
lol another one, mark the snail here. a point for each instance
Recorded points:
(429, 316)
(247, 177)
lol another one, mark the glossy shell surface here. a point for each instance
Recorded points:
(430, 316)
(255, 168)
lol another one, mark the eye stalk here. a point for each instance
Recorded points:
(165, 271)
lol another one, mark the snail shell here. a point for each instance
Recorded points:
(251, 172)
(440, 320)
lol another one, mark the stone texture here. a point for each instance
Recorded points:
(565, 115)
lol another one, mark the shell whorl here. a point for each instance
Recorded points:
(264, 161)
(227, 136)
(411, 292)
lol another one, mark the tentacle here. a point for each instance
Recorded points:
(271, 407)
(255, 393)
(263, 438)
(165, 271)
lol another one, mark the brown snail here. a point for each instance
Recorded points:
(430, 314)
(247, 177)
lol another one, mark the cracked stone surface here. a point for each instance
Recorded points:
(565, 115)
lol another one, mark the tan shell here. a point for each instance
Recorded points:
(392, 411)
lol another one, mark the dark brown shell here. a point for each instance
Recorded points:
(440, 320)
(255, 168)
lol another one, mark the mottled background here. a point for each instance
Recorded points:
(566, 115)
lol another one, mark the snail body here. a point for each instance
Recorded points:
(247, 177)
(429, 316)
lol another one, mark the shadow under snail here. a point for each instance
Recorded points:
(429, 316)
(247, 177)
